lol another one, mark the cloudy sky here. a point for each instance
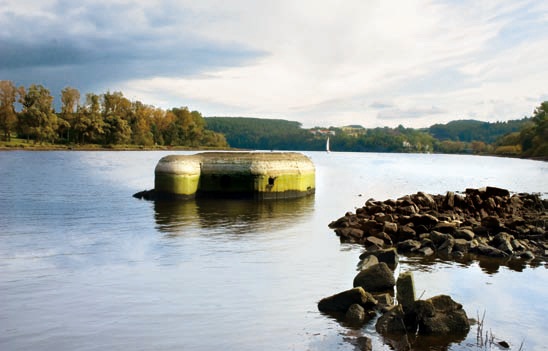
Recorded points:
(319, 62)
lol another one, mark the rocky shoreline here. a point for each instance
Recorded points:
(487, 223)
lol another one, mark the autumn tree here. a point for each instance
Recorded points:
(117, 114)
(70, 101)
(8, 117)
(38, 115)
(141, 123)
(89, 124)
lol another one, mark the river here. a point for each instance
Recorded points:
(85, 266)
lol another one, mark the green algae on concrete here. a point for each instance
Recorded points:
(236, 174)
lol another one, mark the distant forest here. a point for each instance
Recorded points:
(110, 119)
(462, 136)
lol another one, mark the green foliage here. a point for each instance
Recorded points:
(472, 130)
(265, 134)
(534, 137)
(38, 120)
(107, 119)
(8, 117)
(112, 119)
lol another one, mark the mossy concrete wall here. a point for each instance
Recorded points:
(237, 174)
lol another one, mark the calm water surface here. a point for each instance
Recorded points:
(85, 266)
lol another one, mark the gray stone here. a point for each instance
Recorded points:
(406, 232)
(355, 314)
(461, 245)
(426, 251)
(390, 228)
(371, 240)
(424, 219)
(527, 255)
(440, 315)
(405, 287)
(349, 232)
(367, 262)
(384, 300)
(464, 233)
(450, 199)
(491, 222)
(446, 227)
(363, 343)
(342, 301)
(391, 322)
(446, 247)
(377, 278)
(408, 245)
(489, 251)
(388, 256)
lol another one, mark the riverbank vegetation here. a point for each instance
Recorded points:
(107, 120)
(110, 120)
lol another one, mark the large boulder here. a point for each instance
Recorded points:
(377, 278)
(342, 301)
(392, 322)
(440, 315)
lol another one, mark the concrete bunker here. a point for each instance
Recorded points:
(260, 175)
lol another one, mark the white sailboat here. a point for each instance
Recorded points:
(327, 145)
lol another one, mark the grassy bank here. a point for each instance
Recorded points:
(22, 144)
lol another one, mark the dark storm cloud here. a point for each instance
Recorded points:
(96, 45)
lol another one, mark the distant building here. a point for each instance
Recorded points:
(354, 130)
(317, 131)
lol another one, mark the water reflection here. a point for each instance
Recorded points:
(489, 265)
(237, 216)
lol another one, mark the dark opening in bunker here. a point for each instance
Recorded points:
(225, 181)
(271, 180)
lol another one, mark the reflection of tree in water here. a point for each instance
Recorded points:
(230, 215)
(489, 265)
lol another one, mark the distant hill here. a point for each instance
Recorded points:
(461, 136)
(468, 130)
(264, 134)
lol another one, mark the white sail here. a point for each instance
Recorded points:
(327, 145)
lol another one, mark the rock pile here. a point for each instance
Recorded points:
(487, 221)
(438, 316)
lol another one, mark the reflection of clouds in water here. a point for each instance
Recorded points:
(506, 296)
(230, 216)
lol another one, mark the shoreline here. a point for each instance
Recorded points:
(93, 147)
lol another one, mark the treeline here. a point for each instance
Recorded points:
(112, 119)
(105, 119)
(472, 130)
(524, 137)
(264, 134)
(531, 140)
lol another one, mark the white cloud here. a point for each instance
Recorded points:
(321, 62)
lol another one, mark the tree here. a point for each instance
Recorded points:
(8, 117)
(89, 124)
(534, 138)
(70, 100)
(38, 114)
(117, 114)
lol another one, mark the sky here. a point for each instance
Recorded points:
(319, 62)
